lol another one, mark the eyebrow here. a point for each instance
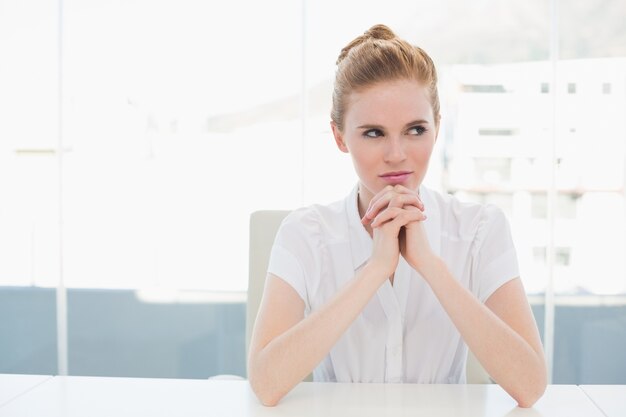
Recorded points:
(413, 123)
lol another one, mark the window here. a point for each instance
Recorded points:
(484, 89)
(561, 255)
(493, 170)
(539, 255)
(565, 206)
(571, 88)
(190, 115)
(497, 132)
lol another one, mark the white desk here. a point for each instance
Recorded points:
(611, 399)
(12, 385)
(98, 396)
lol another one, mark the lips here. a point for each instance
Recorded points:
(396, 177)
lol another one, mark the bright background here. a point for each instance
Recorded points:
(136, 137)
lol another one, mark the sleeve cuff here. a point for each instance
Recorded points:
(497, 273)
(286, 267)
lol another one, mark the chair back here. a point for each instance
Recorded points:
(263, 227)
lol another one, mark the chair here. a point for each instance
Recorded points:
(263, 227)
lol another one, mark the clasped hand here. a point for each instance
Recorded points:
(396, 216)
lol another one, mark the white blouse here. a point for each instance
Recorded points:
(403, 334)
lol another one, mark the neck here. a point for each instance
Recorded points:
(363, 200)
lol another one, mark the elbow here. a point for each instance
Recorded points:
(532, 392)
(267, 396)
(529, 399)
(270, 401)
(266, 392)
(532, 384)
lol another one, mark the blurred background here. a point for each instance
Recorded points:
(137, 137)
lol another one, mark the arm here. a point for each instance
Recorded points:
(501, 333)
(286, 347)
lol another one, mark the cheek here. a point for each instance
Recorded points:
(422, 151)
(364, 157)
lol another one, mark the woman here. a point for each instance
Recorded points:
(395, 282)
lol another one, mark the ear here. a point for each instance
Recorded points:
(339, 138)
(437, 129)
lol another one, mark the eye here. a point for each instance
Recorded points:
(373, 133)
(417, 130)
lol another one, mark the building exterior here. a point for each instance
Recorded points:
(498, 130)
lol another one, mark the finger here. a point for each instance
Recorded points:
(401, 189)
(403, 218)
(393, 212)
(389, 199)
(382, 198)
(407, 217)
(385, 216)
(383, 195)
(377, 204)
(414, 223)
(412, 208)
(398, 200)
(380, 194)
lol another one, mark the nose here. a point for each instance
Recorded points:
(395, 151)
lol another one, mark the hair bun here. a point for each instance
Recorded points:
(380, 32)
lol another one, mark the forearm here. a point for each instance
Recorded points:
(290, 357)
(509, 359)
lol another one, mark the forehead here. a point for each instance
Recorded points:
(389, 103)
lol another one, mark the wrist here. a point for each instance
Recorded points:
(430, 268)
(376, 270)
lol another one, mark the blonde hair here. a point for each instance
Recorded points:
(376, 56)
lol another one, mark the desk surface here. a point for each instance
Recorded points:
(12, 386)
(611, 399)
(99, 396)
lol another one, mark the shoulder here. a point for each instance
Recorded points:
(465, 219)
(315, 223)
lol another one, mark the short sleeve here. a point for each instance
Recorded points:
(494, 255)
(293, 256)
